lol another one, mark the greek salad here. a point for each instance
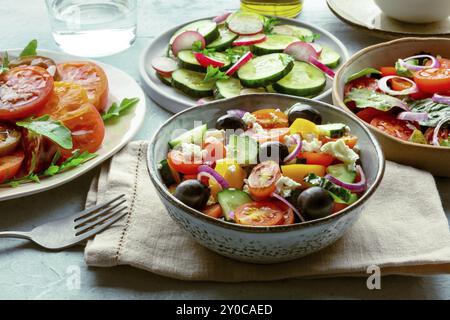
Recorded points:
(52, 115)
(244, 52)
(266, 168)
(409, 100)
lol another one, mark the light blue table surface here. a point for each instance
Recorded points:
(29, 273)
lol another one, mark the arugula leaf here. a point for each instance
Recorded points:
(362, 73)
(365, 98)
(52, 129)
(405, 72)
(30, 49)
(76, 160)
(116, 110)
(5, 63)
(197, 47)
(435, 111)
(32, 177)
(310, 38)
(213, 73)
(269, 23)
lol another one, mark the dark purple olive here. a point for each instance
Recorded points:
(273, 150)
(193, 194)
(315, 203)
(303, 111)
(230, 122)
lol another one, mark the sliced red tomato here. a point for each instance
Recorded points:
(262, 179)
(393, 126)
(91, 77)
(262, 214)
(39, 152)
(388, 71)
(444, 134)
(24, 91)
(276, 134)
(214, 211)
(339, 207)
(178, 162)
(433, 80)
(420, 95)
(361, 83)
(320, 158)
(271, 118)
(289, 217)
(367, 114)
(215, 150)
(10, 165)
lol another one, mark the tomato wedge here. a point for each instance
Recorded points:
(388, 71)
(262, 179)
(178, 162)
(10, 165)
(393, 126)
(24, 91)
(320, 158)
(367, 114)
(261, 214)
(91, 77)
(214, 211)
(433, 80)
(271, 118)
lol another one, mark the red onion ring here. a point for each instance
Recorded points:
(383, 85)
(277, 196)
(438, 98)
(413, 116)
(209, 172)
(236, 112)
(437, 129)
(353, 187)
(435, 62)
(296, 151)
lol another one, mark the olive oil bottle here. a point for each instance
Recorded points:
(281, 8)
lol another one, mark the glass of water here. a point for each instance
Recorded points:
(93, 28)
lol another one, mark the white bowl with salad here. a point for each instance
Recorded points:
(401, 89)
(277, 179)
(239, 53)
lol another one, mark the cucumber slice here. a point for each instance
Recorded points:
(224, 40)
(270, 89)
(194, 136)
(304, 80)
(192, 84)
(265, 70)
(228, 88)
(166, 173)
(274, 43)
(252, 90)
(206, 28)
(341, 172)
(187, 60)
(329, 57)
(294, 31)
(245, 22)
(332, 130)
(243, 149)
(230, 200)
(166, 80)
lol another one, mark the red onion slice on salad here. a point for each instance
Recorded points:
(438, 98)
(287, 203)
(434, 62)
(438, 128)
(296, 151)
(383, 85)
(207, 171)
(237, 112)
(413, 116)
(353, 187)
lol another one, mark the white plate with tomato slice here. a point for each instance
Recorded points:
(76, 99)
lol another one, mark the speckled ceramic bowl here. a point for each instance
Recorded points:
(263, 244)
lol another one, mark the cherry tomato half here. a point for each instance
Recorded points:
(320, 158)
(262, 179)
(259, 214)
(10, 165)
(271, 118)
(24, 91)
(177, 161)
(214, 211)
(433, 80)
(388, 71)
(393, 126)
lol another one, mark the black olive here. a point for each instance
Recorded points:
(230, 122)
(193, 194)
(304, 111)
(315, 203)
(273, 150)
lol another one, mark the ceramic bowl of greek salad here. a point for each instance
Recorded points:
(401, 89)
(243, 52)
(265, 177)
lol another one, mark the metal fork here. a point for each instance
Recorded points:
(67, 232)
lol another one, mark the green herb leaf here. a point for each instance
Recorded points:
(76, 160)
(436, 111)
(5, 63)
(30, 49)
(311, 38)
(32, 177)
(235, 53)
(213, 73)
(116, 110)
(365, 98)
(197, 46)
(52, 129)
(362, 73)
(269, 23)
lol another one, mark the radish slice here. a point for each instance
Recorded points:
(249, 40)
(221, 18)
(305, 52)
(314, 61)
(317, 47)
(243, 60)
(206, 61)
(245, 25)
(164, 65)
(185, 40)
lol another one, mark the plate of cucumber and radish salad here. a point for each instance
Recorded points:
(239, 53)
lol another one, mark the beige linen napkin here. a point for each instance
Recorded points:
(403, 230)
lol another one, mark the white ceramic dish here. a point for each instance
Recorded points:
(118, 133)
(415, 11)
(175, 101)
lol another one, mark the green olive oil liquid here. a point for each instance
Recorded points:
(281, 8)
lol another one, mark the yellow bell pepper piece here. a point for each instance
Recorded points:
(232, 173)
(304, 127)
(299, 171)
